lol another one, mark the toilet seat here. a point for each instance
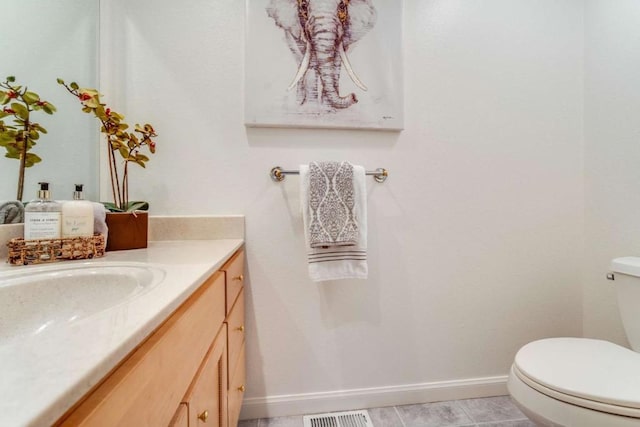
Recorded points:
(593, 374)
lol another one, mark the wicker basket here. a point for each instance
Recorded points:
(23, 252)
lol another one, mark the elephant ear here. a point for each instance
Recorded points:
(362, 18)
(285, 13)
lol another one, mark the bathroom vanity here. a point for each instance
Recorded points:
(172, 354)
(189, 372)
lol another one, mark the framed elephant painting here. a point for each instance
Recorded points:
(324, 64)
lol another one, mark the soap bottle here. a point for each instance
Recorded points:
(42, 216)
(77, 216)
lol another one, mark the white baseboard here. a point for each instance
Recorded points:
(310, 403)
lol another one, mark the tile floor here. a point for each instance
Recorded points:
(486, 412)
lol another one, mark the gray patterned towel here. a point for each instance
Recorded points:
(11, 212)
(331, 205)
(337, 262)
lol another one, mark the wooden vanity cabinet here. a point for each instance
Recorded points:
(180, 375)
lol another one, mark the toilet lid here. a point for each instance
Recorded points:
(590, 370)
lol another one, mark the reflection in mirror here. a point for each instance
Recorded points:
(41, 40)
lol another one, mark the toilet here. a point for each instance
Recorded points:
(582, 382)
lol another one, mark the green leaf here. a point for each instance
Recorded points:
(111, 207)
(60, 81)
(31, 97)
(4, 98)
(6, 138)
(142, 157)
(132, 206)
(11, 79)
(31, 159)
(101, 114)
(36, 126)
(92, 103)
(13, 148)
(74, 86)
(20, 110)
(137, 206)
(124, 152)
(49, 108)
(34, 135)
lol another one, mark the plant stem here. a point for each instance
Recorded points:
(25, 142)
(23, 159)
(113, 171)
(125, 186)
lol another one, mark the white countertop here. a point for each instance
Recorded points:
(43, 375)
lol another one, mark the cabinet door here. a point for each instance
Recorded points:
(236, 390)
(207, 396)
(234, 271)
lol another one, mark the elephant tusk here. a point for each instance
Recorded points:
(347, 66)
(304, 66)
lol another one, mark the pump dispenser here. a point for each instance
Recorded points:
(42, 216)
(77, 216)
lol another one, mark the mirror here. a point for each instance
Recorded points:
(41, 40)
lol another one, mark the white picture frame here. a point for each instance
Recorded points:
(280, 93)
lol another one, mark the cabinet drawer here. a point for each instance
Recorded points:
(207, 396)
(168, 360)
(235, 321)
(234, 271)
(236, 390)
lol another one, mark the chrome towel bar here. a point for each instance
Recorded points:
(278, 174)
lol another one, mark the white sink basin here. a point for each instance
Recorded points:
(38, 299)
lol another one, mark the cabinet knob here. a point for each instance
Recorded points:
(240, 278)
(203, 416)
(241, 388)
(240, 328)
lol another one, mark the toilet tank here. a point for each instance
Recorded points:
(627, 282)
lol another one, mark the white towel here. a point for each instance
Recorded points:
(11, 212)
(339, 262)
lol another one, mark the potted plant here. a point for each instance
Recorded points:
(127, 220)
(19, 139)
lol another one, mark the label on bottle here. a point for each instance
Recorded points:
(42, 225)
(77, 225)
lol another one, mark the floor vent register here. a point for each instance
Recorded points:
(339, 419)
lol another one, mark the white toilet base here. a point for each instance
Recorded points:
(547, 411)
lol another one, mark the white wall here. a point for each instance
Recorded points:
(475, 239)
(612, 150)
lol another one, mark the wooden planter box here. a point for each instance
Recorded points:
(127, 230)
